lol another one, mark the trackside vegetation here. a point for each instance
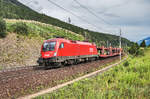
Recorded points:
(3, 32)
(135, 50)
(129, 80)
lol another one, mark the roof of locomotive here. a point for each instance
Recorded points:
(69, 41)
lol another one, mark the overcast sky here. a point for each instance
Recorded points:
(132, 16)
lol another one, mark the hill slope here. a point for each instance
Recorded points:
(44, 30)
(13, 9)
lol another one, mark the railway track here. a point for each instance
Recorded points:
(15, 80)
(18, 68)
(21, 75)
(18, 71)
(21, 72)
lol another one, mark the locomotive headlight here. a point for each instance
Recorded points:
(55, 54)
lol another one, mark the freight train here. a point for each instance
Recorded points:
(59, 52)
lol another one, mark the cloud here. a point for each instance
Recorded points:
(130, 15)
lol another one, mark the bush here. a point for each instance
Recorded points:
(140, 52)
(126, 64)
(3, 32)
(135, 50)
(21, 28)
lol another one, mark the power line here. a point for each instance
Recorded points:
(90, 11)
(29, 2)
(115, 6)
(80, 18)
(32, 6)
(71, 13)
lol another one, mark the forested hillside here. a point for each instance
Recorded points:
(12, 9)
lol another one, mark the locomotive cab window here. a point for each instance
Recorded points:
(61, 45)
(49, 46)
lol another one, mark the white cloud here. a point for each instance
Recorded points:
(131, 15)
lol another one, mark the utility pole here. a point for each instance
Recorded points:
(107, 44)
(69, 20)
(120, 43)
(85, 36)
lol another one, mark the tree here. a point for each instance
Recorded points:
(143, 44)
(135, 50)
(2, 28)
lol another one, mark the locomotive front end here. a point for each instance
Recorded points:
(48, 53)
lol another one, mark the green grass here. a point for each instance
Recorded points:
(129, 80)
(44, 30)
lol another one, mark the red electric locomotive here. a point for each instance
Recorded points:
(59, 51)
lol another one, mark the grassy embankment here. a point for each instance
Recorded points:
(24, 50)
(129, 80)
(44, 30)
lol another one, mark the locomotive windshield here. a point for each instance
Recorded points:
(49, 46)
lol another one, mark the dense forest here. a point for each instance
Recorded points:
(13, 9)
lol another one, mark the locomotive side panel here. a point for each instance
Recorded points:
(68, 49)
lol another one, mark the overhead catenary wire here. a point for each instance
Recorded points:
(37, 9)
(80, 18)
(91, 12)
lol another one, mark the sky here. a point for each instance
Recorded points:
(107, 16)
